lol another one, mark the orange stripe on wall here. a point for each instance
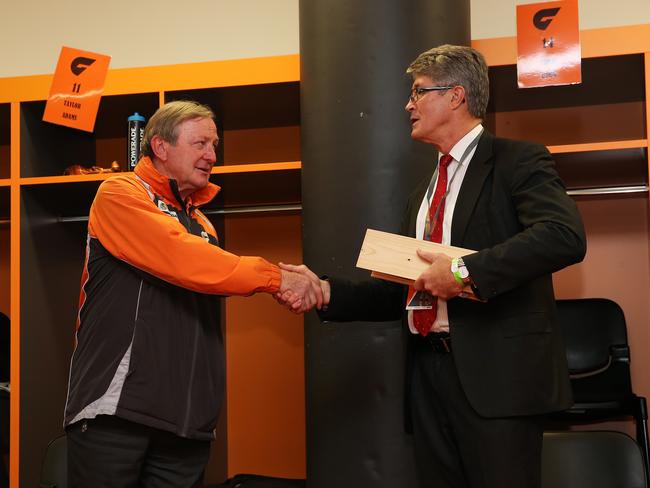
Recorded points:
(252, 71)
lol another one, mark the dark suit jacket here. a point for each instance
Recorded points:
(513, 209)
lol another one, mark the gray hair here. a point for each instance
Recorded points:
(457, 65)
(167, 119)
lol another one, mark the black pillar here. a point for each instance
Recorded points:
(359, 165)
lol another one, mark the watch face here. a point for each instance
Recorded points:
(463, 272)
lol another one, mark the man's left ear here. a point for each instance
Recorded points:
(457, 96)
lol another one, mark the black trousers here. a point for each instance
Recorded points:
(457, 448)
(111, 452)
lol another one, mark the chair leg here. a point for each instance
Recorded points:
(642, 435)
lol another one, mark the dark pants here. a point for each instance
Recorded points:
(457, 448)
(111, 452)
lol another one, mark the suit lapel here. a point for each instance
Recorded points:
(479, 167)
(413, 207)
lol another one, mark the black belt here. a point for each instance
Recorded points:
(440, 342)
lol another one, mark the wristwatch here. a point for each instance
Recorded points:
(460, 272)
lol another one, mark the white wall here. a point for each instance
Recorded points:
(143, 32)
(149, 32)
(497, 18)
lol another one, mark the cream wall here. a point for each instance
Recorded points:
(497, 18)
(143, 32)
(148, 32)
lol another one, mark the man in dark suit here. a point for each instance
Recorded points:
(481, 374)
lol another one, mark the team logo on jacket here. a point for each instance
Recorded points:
(162, 206)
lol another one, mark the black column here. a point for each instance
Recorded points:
(359, 165)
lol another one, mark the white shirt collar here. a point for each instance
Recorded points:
(461, 146)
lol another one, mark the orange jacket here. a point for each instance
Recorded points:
(133, 228)
(149, 345)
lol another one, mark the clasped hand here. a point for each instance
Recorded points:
(437, 279)
(301, 290)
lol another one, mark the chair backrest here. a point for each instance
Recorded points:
(595, 337)
(591, 459)
(54, 473)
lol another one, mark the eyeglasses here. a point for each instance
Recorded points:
(417, 92)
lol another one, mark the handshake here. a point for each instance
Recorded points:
(301, 290)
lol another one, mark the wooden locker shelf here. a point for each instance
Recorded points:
(259, 167)
(598, 146)
(227, 169)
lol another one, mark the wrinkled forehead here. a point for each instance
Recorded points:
(422, 80)
(198, 126)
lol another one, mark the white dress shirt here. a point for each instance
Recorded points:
(455, 175)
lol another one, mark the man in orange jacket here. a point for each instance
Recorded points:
(147, 373)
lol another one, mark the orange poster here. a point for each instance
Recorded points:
(548, 44)
(76, 89)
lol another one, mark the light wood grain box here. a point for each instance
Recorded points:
(393, 257)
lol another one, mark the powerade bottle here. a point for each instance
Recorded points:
(135, 134)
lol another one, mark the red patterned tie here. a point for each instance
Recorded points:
(423, 319)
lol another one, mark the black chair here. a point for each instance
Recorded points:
(595, 336)
(54, 472)
(591, 459)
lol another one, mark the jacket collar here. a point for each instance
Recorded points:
(167, 187)
(480, 166)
